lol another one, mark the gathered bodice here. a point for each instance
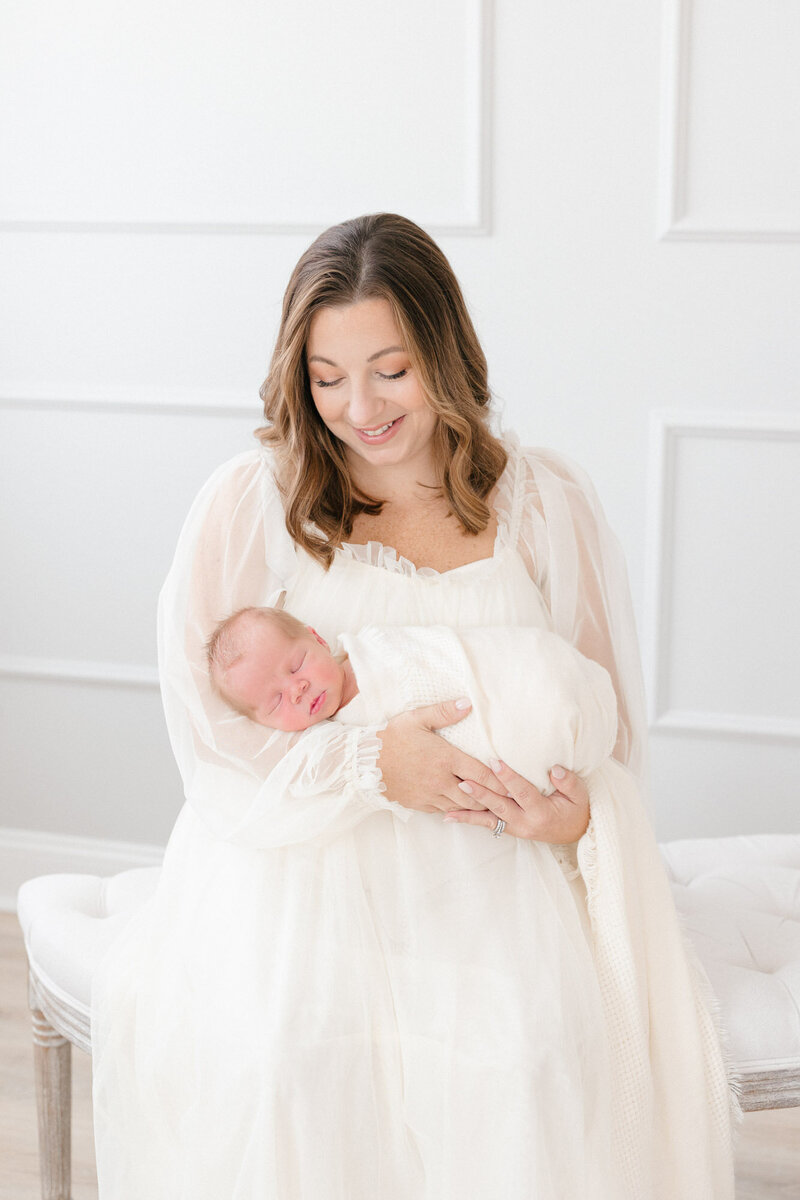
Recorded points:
(376, 586)
(372, 583)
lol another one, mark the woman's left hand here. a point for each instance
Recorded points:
(560, 818)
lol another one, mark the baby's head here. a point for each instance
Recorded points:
(273, 669)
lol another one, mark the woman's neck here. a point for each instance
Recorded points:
(407, 483)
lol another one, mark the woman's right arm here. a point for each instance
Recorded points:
(257, 787)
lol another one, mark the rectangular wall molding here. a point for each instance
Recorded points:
(667, 431)
(148, 402)
(470, 90)
(54, 670)
(26, 853)
(145, 401)
(675, 219)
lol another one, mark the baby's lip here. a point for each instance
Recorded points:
(316, 703)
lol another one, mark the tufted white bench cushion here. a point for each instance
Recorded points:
(739, 898)
(68, 922)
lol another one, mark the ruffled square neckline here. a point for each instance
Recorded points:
(505, 504)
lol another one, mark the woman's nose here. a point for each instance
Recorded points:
(364, 406)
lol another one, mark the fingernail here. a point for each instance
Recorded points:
(451, 819)
(465, 787)
(495, 764)
(558, 772)
(463, 703)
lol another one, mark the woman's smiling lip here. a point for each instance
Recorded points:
(317, 703)
(378, 439)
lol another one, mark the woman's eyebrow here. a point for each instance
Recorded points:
(372, 357)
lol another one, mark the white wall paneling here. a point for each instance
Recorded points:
(93, 496)
(245, 118)
(16, 666)
(723, 586)
(730, 123)
(130, 363)
(137, 400)
(79, 589)
(86, 760)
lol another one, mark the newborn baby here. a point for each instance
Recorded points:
(536, 701)
(269, 666)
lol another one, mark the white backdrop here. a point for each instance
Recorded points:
(618, 189)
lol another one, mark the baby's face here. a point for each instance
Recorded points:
(286, 682)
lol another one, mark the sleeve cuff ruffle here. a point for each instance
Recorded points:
(366, 776)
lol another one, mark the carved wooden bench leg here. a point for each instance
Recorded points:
(52, 1057)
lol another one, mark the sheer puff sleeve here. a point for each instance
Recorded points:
(249, 785)
(578, 564)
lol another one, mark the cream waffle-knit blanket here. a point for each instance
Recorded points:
(537, 702)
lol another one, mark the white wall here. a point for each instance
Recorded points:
(618, 190)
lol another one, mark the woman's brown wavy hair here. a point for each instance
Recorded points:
(386, 256)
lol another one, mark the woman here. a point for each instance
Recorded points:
(340, 990)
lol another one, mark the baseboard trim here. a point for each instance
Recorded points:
(25, 853)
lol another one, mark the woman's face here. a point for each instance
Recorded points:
(364, 385)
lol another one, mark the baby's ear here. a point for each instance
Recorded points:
(321, 640)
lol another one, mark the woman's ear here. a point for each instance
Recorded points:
(321, 640)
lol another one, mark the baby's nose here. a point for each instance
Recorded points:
(299, 688)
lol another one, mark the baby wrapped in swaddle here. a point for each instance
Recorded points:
(536, 700)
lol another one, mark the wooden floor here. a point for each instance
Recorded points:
(768, 1159)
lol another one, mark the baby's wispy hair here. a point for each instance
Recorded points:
(230, 640)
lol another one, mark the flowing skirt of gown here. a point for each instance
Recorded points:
(294, 1023)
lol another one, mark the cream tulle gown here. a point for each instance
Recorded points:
(330, 997)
